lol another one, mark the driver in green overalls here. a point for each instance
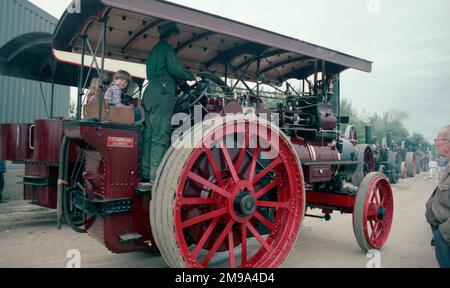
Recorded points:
(164, 69)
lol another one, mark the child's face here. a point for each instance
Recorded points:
(122, 83)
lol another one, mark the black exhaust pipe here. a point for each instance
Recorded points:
(368, 132)
(389, 139)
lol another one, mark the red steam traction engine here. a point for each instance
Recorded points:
(245, 201)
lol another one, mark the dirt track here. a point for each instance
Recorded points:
(28, 238)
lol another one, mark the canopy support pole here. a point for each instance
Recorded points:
(80, 82)
(324, 82)
(226, 73)
(338, 100)
(102, 70)
(258, 71)
(316, 68)
(52, 100)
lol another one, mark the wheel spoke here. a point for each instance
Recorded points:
(198, 201)
(383, 197)
(231, 249)
(217, 243)
(371, 212)
(374, 232)
(383, 201)
(244, 244)
(230, 164)
(377, 195)
(214, 166)
(284, 205)
(203, 218)
(371, 224)
(255, 156)
(259, 237)
(374, 198)
(264, 220)
(243, 151)
(266, 189)
(205, 237)
(208, 184)
(380, 229)
(266, 170)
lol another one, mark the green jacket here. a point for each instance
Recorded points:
(164, 69)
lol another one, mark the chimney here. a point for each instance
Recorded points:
(369, 136)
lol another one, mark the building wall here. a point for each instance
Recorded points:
(21, 101)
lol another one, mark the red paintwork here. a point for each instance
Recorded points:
(379, 195)
(38, 146)
(45, 196)
(197, 215)
(48, 136)
(111, 173)
(14, 142)
(331, 200)
(233, 107)
(309, 151)
(327, 117)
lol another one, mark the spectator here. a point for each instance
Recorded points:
(2, 178)
(438, 207)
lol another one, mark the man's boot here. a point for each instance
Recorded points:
(145, 186)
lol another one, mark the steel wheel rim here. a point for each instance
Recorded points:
(223, 192)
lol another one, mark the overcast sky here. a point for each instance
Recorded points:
(408, 41)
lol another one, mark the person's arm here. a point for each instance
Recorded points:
(108, 95)
(444, 228)
(176, 68)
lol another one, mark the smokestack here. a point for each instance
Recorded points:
(389, 138)
(368, 129)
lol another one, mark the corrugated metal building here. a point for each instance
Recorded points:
(21, 100)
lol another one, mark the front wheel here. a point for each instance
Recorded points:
(373, 212)
(222, 201)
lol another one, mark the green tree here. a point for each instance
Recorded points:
(391, 120)
(418, 140)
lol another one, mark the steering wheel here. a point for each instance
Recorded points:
(197, 93)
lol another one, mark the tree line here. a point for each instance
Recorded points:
(381, 123)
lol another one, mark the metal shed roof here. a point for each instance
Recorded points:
(206, 42)
(30, 56)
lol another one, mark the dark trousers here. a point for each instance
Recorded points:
(2, 185)
(442, 249)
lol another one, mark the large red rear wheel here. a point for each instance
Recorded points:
(373, 212)
(224, 200)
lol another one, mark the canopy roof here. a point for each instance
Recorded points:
(207, 42)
